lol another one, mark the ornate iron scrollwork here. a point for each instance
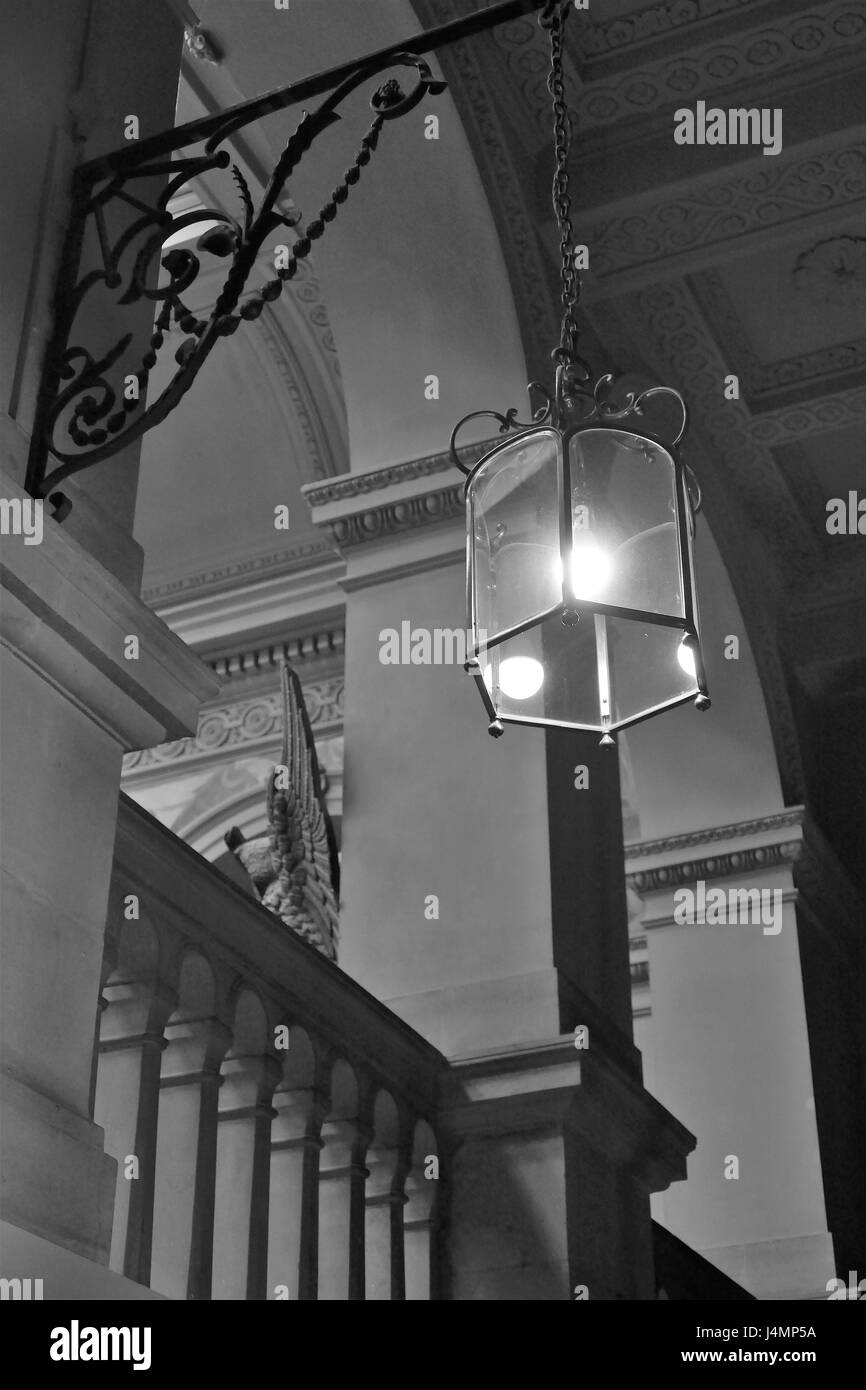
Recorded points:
(97, 419)
(83, 412)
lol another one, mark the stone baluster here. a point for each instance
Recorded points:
(300, 1104)
(186, 1157)
(388, 1161)
(421, 1217)
(240, 1250)
(127, 1106)
(342, 1177)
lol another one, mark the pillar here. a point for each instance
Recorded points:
(243, 1177)
(186, 1158)
(293, 1231)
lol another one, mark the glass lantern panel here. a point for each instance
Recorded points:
(514, 514)
(546, 675)
(649, 667)
(624, 522)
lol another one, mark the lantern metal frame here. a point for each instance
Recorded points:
(578, 407)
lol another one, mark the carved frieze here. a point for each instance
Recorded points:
(734, 206)
(243, 725)
(740, 830)
(810, 417)
(390, 518)
(598, 39)
(736, 60)
(358, 484)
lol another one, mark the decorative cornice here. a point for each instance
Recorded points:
(227, 576)
(248, 725)
(739, 862)
(359, 484)
(721, 210)
(295, 650)
(391, 518)
(739, 830)
(736, 60)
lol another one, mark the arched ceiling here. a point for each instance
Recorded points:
(408, 281)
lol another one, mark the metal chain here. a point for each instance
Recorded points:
(553, 18)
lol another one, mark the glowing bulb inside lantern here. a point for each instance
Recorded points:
(686, 658)
(520, 677)
(590, 569)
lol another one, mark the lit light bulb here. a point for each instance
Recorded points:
(590, 569)
(520, 677)
(686, 658)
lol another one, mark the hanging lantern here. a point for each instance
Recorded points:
(580, 577)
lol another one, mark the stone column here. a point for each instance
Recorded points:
(186, 1158)
(342, 1177)
(127, 1106)
(243, 1177)
(420, 1225)
(293, 1232)
(385, 1264)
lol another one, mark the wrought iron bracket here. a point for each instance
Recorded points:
(92, 403)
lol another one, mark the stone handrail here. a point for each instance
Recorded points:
(273, 1123)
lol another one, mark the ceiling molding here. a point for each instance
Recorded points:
(794, 422)
(820, 372)
(740, 830)
(754, 859)
(396, 516)
(736, 60)
(360, 484)
(224, 577)
(297, 651)
(716, 209)
(653, 24)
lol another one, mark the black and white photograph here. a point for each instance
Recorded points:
(433, 550)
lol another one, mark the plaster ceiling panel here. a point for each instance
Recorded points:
(785, 310)
(836, 462)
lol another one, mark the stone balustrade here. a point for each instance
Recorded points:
(271, 1121)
